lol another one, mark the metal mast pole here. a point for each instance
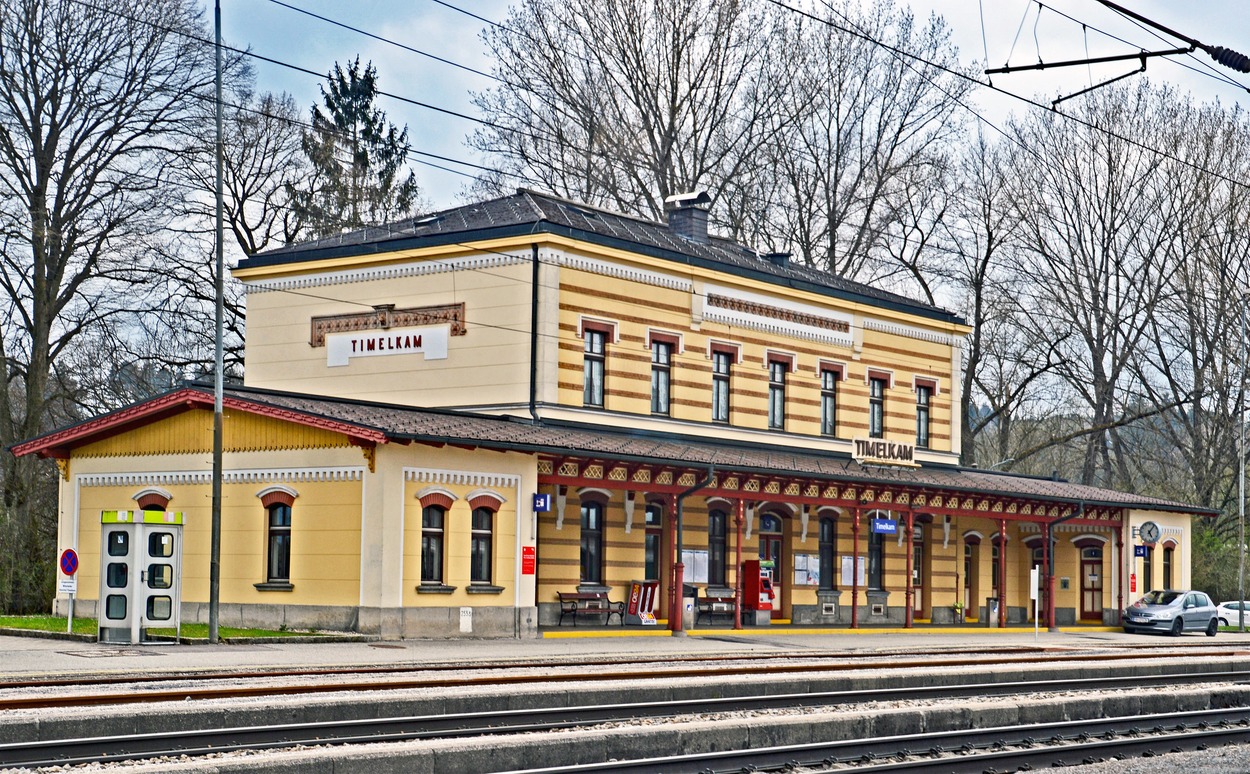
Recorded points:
(1241, 476)
(214, 571)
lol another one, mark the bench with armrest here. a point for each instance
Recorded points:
(713, 602)
(577, 604)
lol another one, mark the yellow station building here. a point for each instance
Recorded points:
(450, 422)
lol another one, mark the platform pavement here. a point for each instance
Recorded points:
(29, 656)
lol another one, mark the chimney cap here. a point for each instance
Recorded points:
(683, 200)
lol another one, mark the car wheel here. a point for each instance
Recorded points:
(1224, 622)
(1177, 626)
(1212, 628)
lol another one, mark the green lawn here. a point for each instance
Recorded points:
(51, 623)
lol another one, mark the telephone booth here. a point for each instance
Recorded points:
(140, 575)
(757, 585)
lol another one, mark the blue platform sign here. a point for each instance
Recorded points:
(884, 527)
(542, 503)
(1139, 551)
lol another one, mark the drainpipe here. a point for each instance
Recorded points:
(679, 569)
(534, 336)
(1050, 571)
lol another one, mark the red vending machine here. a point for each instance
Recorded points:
(757, 585)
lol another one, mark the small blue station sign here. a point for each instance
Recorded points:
(1139, 550)
(884, 527)
(542, 503)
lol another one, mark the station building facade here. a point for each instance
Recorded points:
(448, 421)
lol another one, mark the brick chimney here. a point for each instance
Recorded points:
(687, 215)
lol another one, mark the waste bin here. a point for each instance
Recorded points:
(689, 596)
(991, 612)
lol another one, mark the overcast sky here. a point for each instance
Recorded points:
(1013, 34)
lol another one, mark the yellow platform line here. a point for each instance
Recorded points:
(757, 631)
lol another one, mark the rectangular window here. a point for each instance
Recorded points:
(279, 559)
(716, 548)
(661, 376)
(924, 399)
(651, 551)
(720, 386)
(432, 518)
(592, 543)
(829, 402)
(876, 561)
(777, 394)
(592, 368)
(828, 552)
(876, 408)
(481, 545)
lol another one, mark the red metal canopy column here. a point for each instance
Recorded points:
(855, 570)
(911, 555)
(738, 520)
(1002, 573)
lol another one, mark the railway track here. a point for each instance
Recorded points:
(60, 752)
(60, 692)
(971, 751)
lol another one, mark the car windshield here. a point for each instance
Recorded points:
(1159, 598)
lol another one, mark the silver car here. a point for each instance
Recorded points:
(1173, 612)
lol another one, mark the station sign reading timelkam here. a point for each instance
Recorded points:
(877, 452)
(430, 341)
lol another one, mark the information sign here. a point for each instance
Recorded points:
(69, 561)
(527, 560)
(67, 586)
(542, 503)
(885, 526)
(1139, 551)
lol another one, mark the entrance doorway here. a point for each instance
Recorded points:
(1091, 584)
(770, 551)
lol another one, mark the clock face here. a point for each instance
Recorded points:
(1149, 532)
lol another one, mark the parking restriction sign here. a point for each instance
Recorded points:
(69, 561)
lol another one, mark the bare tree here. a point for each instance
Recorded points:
(1095, 249)
(872, 136)
(90, 97)
(623, 104)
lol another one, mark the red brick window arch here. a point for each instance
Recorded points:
(152, 499)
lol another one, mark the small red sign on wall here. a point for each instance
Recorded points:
(527, 560)
(1132, 583)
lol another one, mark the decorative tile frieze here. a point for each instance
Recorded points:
(461, 477)
(417, 268)
(385, 317)
(257, 476)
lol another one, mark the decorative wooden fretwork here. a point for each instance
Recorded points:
(968, 504)
(686, 479)
(869, 495)
(63, 464)
(385, 317)
(919, 501)
(902, 498)
(886, 497)
(642, 476)
(777, 313)
(1012, 507)
(812, 490)
(752, 485)
(1026, 509)
(731, 484)
(952, 502)
(997, 506)
(848, 494)
(793, 489)
(371, 453)
(772, 488)
(593, 471)
(569, 469)
(545, 467)
(618, 474)
(665, 478)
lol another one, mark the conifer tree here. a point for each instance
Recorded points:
(358, 159)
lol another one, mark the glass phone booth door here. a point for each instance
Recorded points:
(140, 575)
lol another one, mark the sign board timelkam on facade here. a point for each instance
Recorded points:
(430, 341)
(877, 452)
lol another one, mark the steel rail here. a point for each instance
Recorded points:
(63, 752)
(972, 751)
(236, 690)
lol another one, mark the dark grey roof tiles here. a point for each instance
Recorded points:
(529, 211)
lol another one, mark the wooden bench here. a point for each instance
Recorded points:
(578, 604)
(714, 603)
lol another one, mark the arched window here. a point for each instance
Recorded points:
(279, 553)
(876, 561)
(1148, 570)
(433, 522)
(716, 548)
(481, 545)
(592, 543)
(828, 551)
(1167, 567)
